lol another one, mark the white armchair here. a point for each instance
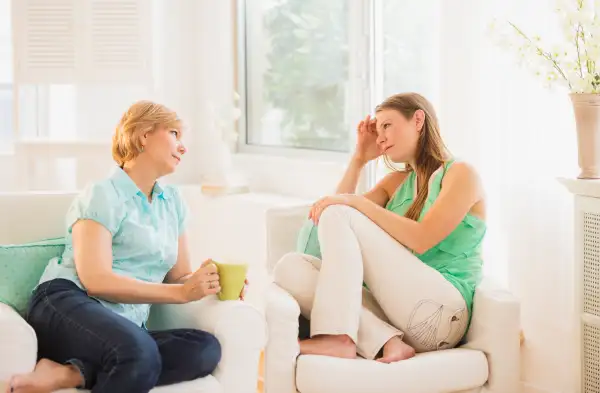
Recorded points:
(487, 362)
(239, 327)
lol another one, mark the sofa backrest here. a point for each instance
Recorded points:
(33, 216)
(283, 225)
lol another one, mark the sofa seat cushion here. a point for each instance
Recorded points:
(443, 371)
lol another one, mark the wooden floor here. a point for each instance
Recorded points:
(261, 373)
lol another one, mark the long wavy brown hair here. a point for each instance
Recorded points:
(431, 151)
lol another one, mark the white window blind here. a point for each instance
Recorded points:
(82, 42)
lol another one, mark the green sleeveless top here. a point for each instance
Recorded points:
(458, 256)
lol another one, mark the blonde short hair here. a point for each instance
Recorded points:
(141, 117)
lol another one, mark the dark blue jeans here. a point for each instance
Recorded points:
(113, 354)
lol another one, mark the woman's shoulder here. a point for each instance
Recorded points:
(99, 198)
(461, 169)
(465, 176)
(101, 191)
(395, 178)
(98, 201)
(393, 181)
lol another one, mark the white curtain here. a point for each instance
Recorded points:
(521, 136)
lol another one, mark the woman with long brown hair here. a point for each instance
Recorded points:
(399, 264)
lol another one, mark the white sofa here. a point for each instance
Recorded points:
(239, 327)
(488, 362)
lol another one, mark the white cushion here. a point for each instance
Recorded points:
(18, 344)
(443, 371)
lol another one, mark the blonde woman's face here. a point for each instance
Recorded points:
(164, 148)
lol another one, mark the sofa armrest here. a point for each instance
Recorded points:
(282, 346)
(18, 344)
(495, 330)
(239, 327)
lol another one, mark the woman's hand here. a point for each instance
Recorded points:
(243, 293)
(340, 199)
(203, 282)
(366, 140)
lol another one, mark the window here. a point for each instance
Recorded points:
(408, 33)
(410, 36)
(311, 69)
(301, 71)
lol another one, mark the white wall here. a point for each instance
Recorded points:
(521, 137)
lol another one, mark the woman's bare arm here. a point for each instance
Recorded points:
(385, 188)
(92, 246)
(460, 192)
(350, 179)
(183, 267)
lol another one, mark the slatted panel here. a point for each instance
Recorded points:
(120, 41)
(83, 41)
(46, 40)
(6, 62)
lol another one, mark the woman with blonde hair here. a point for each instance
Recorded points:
(399, 265)
(126, 248)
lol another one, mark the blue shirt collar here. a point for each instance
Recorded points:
(128, 189)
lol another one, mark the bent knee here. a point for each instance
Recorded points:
(286, 269)
(335, 214)
(297, 274)
(144, 358)
(204, 356)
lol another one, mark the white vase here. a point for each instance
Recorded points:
(586, 108)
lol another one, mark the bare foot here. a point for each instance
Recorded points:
(47, 377)
(340, 346)
(395, 350)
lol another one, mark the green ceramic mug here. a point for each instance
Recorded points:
(232, 277)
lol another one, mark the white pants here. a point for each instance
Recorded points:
(406, 297)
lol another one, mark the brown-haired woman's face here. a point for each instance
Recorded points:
(397, 136)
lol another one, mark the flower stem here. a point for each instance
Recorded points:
(544, 54)
(579, 32)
